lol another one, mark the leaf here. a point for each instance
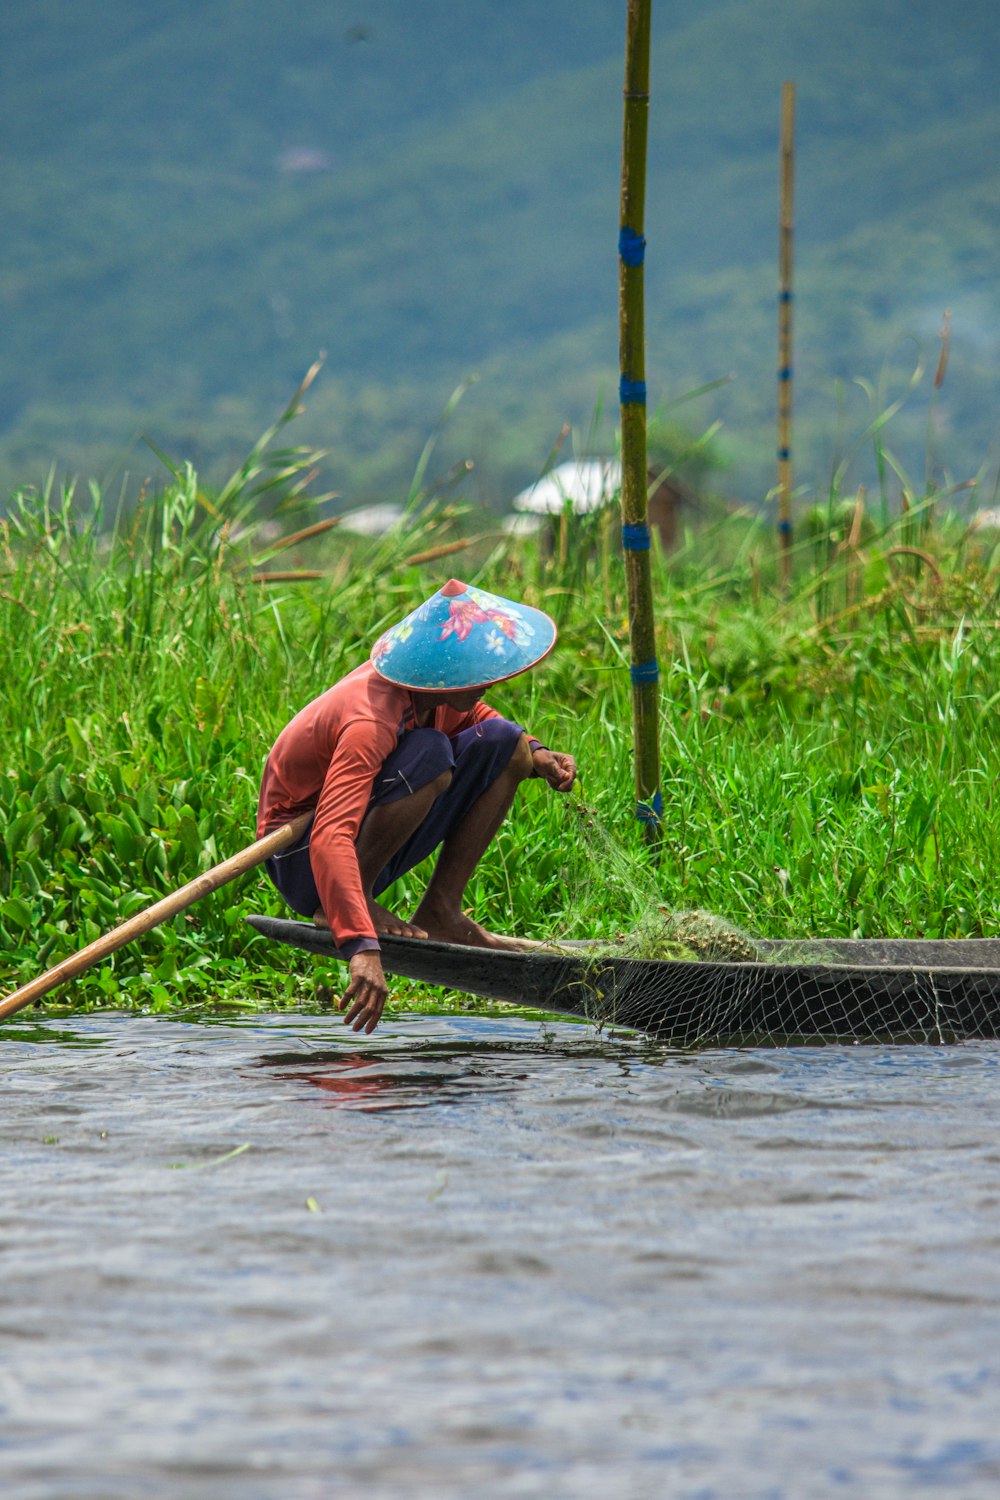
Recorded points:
(189, 837)
(79, 743)
(876, 575)
(154, 860)
(22, 833)
(930, 856)
(18, 912)
(129, 816)
(207, 704)
(160, 997)
(880, 792)
(145, 803)
(166, 969)
(126, 845)
(213, 1161)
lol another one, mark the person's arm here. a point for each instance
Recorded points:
(359, 752)
(342, 806)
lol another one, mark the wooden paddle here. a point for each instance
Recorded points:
(144, 921)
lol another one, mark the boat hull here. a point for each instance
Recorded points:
(835, 990)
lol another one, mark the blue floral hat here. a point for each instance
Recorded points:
(461, 638)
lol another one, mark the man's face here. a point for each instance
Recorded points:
(463, 700)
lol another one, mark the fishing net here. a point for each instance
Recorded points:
(792, 993)
(696, 980)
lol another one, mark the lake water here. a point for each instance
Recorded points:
(265, 1260)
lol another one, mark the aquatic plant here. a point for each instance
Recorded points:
(828, 764)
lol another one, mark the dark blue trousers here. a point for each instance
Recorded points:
(476, 757)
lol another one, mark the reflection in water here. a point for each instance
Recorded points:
(384, 1075)
(48, 1036)
(391, 1078)
(359, 1082)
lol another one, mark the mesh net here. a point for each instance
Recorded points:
(872, 994)
(696, 980)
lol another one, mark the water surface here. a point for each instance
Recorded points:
(480, 1257)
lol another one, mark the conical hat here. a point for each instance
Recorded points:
(461, 638)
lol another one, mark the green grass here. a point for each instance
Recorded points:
(829, 758)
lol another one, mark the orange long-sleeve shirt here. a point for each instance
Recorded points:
(327, 758)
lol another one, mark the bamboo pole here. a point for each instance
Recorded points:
(145, 921)
(632, 397)
(785, 234)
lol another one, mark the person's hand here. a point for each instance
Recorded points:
(558, 770)
(367, 992)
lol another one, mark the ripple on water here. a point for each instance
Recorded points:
(469, 1257)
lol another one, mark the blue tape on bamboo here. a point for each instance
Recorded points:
(785, 296)
(631, 246)
(631, 392)
(785, 373)
(785, 528)
(645, 671)
(651, 811)
(784, 453)
(635, 538)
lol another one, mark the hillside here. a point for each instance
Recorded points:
(202, 199)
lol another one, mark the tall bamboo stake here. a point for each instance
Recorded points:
(785, 225)
(632, 396)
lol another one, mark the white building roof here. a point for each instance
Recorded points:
(585, 485)
(372, 520)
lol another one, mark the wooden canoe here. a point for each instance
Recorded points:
(835, 990)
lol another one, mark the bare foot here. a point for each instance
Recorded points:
(387, 922)
(456, 927)
(383, 920)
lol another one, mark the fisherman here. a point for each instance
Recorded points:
(398, 757)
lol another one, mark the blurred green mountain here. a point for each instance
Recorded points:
(201, 196)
